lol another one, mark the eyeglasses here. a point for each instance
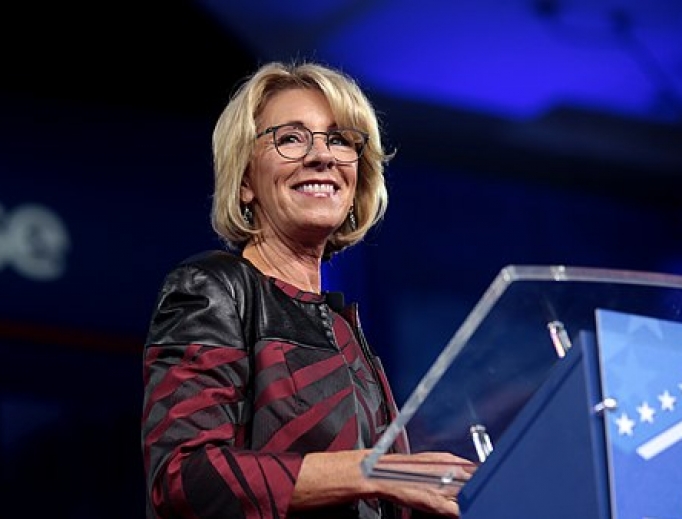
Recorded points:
(294, 141)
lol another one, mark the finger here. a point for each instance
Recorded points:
(469, 468)
(454, 505)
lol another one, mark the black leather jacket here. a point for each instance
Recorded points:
(241, 380)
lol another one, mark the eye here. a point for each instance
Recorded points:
(341, 138)
(291, 136)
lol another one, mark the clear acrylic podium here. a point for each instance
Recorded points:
(565, 384)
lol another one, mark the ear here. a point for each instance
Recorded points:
(246, 193)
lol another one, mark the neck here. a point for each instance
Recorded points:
(301, 269)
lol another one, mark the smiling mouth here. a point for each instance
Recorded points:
(316, 189)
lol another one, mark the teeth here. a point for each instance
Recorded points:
(316, 188)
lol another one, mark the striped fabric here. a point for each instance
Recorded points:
(225, 425)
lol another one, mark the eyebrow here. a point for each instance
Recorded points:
(333, 126)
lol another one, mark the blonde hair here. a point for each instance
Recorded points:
(234, 138)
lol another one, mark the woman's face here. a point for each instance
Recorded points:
(303, 200)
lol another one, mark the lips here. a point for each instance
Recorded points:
(316, 188)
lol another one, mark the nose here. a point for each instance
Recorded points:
(320, 155)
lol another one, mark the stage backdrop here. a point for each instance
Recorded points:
(97, 203)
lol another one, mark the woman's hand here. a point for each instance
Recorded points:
(446, 471)
(332, 478)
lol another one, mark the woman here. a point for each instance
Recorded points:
(261, 394)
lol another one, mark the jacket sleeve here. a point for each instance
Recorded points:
(197, 409)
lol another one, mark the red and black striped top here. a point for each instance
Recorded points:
(243, 376)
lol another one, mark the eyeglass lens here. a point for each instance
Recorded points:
(295, 141)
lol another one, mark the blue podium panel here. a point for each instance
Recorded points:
(551, 461)
(641, 364)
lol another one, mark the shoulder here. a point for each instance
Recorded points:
(205, 298)
(220, 266)
(212, 276)
(217, 261)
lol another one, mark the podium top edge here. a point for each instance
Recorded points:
(512, 273)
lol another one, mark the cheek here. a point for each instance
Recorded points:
(259, 175)
(352, 180)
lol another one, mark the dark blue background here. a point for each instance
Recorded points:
(116, 143)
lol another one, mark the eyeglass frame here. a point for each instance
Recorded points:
(327, 134)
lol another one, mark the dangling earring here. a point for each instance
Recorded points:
(247, 214)
(351, 219)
